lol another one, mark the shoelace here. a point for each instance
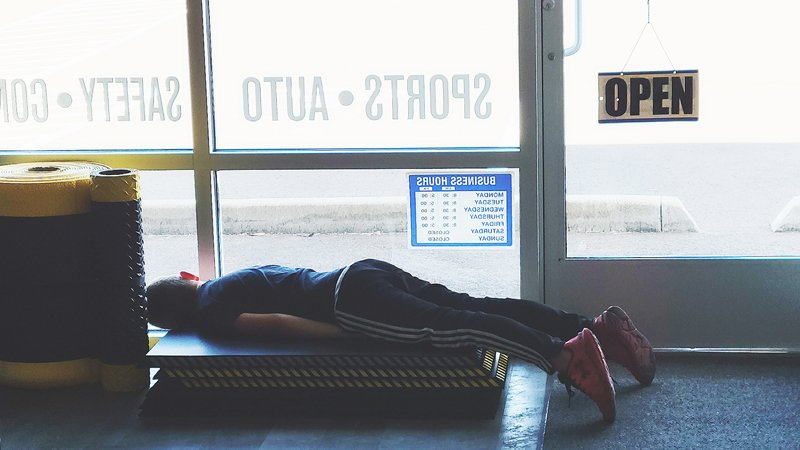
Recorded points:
(568, 386)
(571, 392)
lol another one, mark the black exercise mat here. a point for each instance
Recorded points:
(187, 349)
(212, 376)
(696, 401)
(187, 344)
(235, 398)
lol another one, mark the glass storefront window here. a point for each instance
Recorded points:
(89, 75)
(326, 219)
(723, 185)
(168, 222)
(407, 76)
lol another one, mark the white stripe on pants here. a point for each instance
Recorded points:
(440, 338)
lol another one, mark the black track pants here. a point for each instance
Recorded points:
(380, 300)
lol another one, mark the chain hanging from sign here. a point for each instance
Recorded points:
(648, 96)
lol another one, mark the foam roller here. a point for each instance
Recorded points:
(118, 265)
(45, 309)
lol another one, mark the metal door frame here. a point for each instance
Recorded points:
(735, 304)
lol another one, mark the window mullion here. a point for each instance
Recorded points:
(208, 242)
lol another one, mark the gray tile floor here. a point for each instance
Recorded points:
(88, 417)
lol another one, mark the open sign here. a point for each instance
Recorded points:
(647, 96)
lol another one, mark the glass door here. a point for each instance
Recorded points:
(672, 168)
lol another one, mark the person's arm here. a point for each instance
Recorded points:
(284, 325)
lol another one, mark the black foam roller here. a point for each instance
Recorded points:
(118, 265)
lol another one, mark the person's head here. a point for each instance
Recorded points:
(171, 302)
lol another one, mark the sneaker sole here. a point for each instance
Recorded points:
(645, 369)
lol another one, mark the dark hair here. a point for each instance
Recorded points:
(171, 302)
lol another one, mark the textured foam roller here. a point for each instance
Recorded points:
(118, 255)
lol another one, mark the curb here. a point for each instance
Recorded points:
(283, 216)
(789, 217)
(586, 213)
(628, 214)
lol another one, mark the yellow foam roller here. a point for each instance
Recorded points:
(124, 378)
(49, 374)
(46, 189)
(115, 185)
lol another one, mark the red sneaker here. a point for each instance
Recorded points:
(622, 343)
(587, 370)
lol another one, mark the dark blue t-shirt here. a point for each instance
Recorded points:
(266, 289)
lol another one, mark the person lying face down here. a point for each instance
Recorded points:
(375, 299)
